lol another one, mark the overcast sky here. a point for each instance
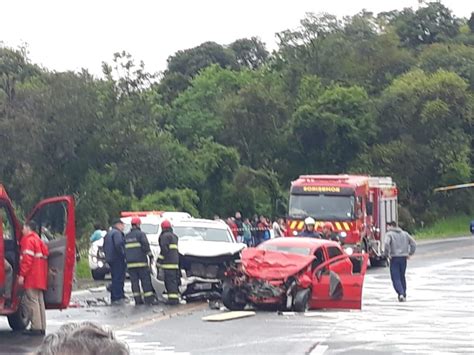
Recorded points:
(72, 34)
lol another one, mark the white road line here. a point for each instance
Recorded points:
(319, 350)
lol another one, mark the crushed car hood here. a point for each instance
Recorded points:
(208, 249)
(273, 265)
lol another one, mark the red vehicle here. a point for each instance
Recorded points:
(56, 221)
(358, 207)
(297, 274)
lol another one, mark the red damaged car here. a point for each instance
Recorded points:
(296, 274)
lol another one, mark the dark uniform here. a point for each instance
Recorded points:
(137, 252)
(330, 236)
(168, 261)
(115, 257)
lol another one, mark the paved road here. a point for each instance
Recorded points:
(437, 319)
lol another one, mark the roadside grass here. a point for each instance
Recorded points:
(82, 269)
(452, 226)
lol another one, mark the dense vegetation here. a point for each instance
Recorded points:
(227, 127)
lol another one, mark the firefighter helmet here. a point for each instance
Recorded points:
(136, 221)
(328, 225)
(309, 221)
(165, 224)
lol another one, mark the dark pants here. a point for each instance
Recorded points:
(398, 266)
(141, 275)
(172, 281)
(117, 269)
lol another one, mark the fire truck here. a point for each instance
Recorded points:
(358, 207)
(56, 225)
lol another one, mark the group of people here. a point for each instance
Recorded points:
(256, 230)
(132, 253)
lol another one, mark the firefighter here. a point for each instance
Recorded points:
(139, 257)
(309, 230)
(328, 233)
(169, 261)
(34, 277)
(114, 249)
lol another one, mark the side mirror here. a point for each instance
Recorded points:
(370, 208)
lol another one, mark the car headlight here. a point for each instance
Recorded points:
(295, 233)
(349, 250)
(100, 264)
(94, 259)
(343, 234)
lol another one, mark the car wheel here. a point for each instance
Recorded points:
(98, 275)
(229, 298)
(378, 262)
(301, 301)
(20, 319)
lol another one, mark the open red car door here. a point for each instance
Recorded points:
(341, 289)
(2, 261)
(55, 218)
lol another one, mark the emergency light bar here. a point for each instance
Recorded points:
(140, 213)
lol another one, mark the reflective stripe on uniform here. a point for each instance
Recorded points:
(34, 255)
(161, 257)
(132, 245)
(137, 294)
(132, 265)
(173, 246)
(170, 266)
(148, 294)
(174, 296)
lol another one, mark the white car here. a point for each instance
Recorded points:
(206, 249)
(150, 226)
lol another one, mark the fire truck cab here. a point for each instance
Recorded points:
(358, 207)
(56, 226)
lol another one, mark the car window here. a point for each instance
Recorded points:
(319, 258)
(203, 233)
(333, 252)
(51, 220)
(7, 225)
(147, 228)
(285, 249)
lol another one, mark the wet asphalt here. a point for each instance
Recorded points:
(438, 318)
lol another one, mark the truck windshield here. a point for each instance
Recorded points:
(322, 207)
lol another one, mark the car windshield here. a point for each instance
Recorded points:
(322, 207)
(146, 228)
(285, 249)
(203, 233)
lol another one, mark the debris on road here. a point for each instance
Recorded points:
(281, 313)
(221, 317)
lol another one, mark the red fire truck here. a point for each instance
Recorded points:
(56, 224)
(358, 207)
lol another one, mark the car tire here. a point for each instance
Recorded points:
(301, 301)
(98, 275)
(20, 319)
(375, 262)
(229, 299)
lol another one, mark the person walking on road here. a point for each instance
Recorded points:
(399, 246)
(169, 261)
(34, 277)
(114, 249)
(139, 258)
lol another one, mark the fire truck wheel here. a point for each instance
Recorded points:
(230, 299)
(301, 302)
(20, 319)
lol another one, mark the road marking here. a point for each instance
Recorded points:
(319, 350)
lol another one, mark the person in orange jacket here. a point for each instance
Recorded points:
(34, 276)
